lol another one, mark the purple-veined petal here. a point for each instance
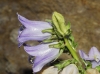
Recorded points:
(30, 34)
(94, 64)
(24, 21)
(33, 33)
(94, 56)
(43, 54)
(40, 61)
(39, 50)
(94, 53)
(37, 24)
(82, 54)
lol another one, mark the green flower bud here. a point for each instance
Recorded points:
(59, 23)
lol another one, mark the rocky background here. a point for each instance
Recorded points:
(84, 16)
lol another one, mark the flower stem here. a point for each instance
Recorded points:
(72, 50)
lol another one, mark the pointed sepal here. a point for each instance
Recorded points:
(48, 31)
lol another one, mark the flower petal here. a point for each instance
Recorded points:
(37, 24)
(40, 61)
(31, 34)
(94, 64)
(94, 53)
(43, 54)
(24, 21)
(83, 55)
(70, 69)
(38, 50)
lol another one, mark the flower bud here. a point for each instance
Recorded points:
(59, 23)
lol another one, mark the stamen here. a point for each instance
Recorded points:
(96, 59)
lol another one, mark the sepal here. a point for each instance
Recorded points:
(50, 30)
(65, 63)
(58, 45)
(53, 38)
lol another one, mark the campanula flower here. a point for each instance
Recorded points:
(32, 30)
(43, 55)
(70, 69)
(93, 56)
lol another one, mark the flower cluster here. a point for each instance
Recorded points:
(32, 30)
(55, 37)
(93, 56)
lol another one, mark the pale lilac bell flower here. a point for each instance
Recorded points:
(43, 55)
(93, 56)
(32, 30)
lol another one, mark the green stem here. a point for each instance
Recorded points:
(72, 50)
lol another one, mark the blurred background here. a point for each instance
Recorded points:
(84, 16)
